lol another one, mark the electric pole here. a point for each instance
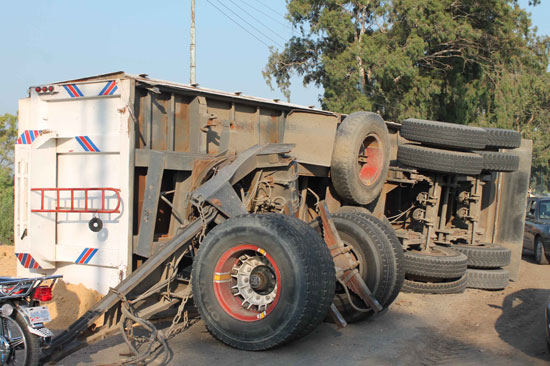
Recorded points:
(193, 78)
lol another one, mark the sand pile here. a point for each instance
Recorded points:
(8, 261)
(70, 301)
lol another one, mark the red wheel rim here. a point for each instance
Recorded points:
(370, 159)
(224, 284)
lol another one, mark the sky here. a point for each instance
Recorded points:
(53, 40)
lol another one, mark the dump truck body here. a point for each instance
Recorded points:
(103, 132)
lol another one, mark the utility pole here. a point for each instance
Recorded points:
(192, 48)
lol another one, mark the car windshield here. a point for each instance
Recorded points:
(544, 207)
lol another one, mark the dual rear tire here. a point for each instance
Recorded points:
(260, 281)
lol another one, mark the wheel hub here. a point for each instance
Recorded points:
(370, 160)
(256, 282)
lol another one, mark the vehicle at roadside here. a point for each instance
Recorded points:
(152, 192)
(22, 318)
(536, 235)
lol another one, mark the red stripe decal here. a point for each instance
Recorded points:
(36, 266)
(74, 91)
(28, 261)
(87, 255)
(28, 136)
(19, 141)
(86, 143)
(110, 88)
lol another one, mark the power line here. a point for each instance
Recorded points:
(238, 24)
(270, 8)
(250, 25)
(255, 18)
(268, 15)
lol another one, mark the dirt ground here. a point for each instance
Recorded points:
(476, 327)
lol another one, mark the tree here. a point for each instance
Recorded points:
(8, 137)
(462, 61)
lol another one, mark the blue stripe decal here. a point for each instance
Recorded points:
(23, 138)
(31, 264)
(105, 88)
(114, 89)
(81, 255)
(81, 143)
(68, 91)
(77, 90)
(91, 256)
(24, 259)
(31, 134)
(89, 140)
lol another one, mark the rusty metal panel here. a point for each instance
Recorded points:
(198, 116)
(143, 112)
(313, 135)
(512, 199)
(269, 126)
(219, 114)
(244, 130)
(181, 124)
(160, 121)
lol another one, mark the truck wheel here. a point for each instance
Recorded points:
(449, 287)
(397, 252)
(438, 160)
(540, 257)
(487, 279)
(376, 262)
(260, 280)
(499, 161)
(497, 137)
(450, 135)
(361, 157)
(440, 262)
(485, 255)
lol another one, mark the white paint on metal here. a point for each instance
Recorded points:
(84, 144)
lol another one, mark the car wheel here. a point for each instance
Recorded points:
(540, 257)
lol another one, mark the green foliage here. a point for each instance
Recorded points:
(467, 61)
(8, 136)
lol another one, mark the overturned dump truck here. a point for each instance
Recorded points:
(269, 216)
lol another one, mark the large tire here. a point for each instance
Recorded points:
(449, 287)
(440, 262)
(438, 160)
(487, 279)
(485, 255)
(352, 209)
(377, 263)
(285, 275)
(497, 137)
(397, 252)
(361, 157)
(449, 135)
(540, 256)
(499, 161)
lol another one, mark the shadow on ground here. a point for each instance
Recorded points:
(522, 324)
